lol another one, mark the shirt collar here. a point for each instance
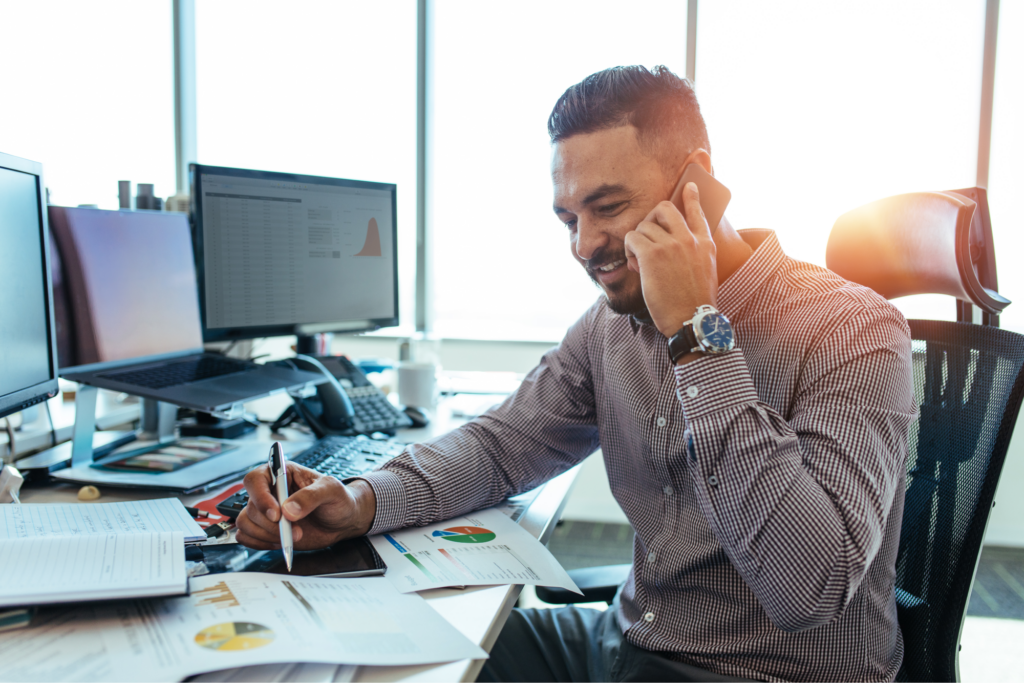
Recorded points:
(737, 289)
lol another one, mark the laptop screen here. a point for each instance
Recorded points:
(125, 288)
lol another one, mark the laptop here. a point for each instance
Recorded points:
(127, 314)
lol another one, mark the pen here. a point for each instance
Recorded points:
(279, 477)
(196, 512)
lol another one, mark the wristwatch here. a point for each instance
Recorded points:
(707, 332)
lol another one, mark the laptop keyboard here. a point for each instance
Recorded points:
(180, 372)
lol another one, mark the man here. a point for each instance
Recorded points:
(765, 484)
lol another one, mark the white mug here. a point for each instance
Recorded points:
(417, 384)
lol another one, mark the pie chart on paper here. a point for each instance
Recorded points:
(234, 635)
(465, 534)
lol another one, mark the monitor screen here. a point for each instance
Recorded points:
(28, 372)
(126, 286)
(280, 254)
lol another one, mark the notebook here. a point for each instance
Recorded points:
(40, 570)
(79, 552)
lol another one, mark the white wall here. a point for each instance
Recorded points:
(1006, 524)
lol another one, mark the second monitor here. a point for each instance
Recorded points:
(281, 254)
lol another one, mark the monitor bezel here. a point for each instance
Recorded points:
(222, 334)
(20, 399)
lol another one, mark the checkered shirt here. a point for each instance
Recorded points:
(765, 486)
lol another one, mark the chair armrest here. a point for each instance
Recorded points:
(597, 583)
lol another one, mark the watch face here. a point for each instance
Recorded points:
(716, 333)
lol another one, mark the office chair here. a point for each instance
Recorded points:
(969, 382)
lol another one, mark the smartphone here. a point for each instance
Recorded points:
(714, 196)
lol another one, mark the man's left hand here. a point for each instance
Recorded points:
(675, 257)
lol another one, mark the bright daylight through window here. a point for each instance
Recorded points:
(320, 89)
(875, 98)
(89, 96)
(501, 262)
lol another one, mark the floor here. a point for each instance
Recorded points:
(993, 636)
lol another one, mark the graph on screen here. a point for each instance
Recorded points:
(371, 247)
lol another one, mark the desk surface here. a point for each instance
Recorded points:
(478, 612)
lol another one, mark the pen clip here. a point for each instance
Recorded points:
(273, 463)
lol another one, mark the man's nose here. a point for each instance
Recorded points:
(589, 240)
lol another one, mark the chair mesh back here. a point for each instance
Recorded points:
(968, 381)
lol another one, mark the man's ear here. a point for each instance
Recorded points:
(697, 156)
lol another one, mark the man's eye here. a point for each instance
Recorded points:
(611, 208)
(571, 224)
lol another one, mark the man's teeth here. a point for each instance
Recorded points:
(611, 266)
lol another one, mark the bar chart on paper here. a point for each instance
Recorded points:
(219, 595)
(371, 246)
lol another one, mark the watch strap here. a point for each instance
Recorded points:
(683, 342)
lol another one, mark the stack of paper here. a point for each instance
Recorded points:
(75, 519)
(234, 620)
(72, 553)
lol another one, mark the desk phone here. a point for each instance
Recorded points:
(347, 407)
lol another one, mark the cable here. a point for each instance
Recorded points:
(11, 446)
(53, 430)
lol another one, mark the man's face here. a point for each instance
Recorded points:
(604, 186)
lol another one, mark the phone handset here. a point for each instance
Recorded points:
(337, 413)
(714, 196)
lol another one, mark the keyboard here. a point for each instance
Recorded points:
(180, 372)
(336, 456)
(374, 412)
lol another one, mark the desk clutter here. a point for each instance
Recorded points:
(145, 306)
(89, 578)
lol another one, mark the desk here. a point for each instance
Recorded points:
(478, 612)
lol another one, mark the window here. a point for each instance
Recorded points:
(816, 108)
(1006, 177)
(501, 263)
(88, 92)
(317, 88)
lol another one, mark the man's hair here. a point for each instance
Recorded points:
(661, 106)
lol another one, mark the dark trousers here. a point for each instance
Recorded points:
(574, 644)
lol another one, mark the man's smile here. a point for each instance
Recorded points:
(609, 272)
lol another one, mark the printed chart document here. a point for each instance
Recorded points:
(41, 570)
(74, 519)
(279, 673)
(480, 549)
(232, 621)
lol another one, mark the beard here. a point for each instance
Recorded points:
(624, 300)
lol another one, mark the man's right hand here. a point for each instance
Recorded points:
(321, 509)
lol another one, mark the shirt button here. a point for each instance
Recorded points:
(668, 490)
(661, 422)
(649, 617)
(713, 480)
(651, 556)
(692, 392)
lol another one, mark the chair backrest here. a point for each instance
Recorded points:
(968, 381)
(921, 243)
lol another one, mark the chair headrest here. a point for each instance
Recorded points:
(916, 243)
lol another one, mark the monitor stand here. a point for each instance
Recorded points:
(157, 424)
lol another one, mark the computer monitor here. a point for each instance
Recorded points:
(28, 352)
(124, 287)
(280, 254)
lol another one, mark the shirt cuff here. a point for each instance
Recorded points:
(390, 492)
(714, 383)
